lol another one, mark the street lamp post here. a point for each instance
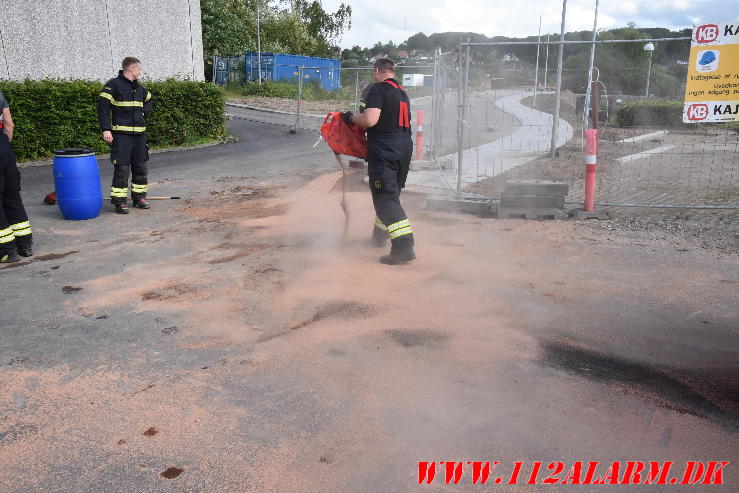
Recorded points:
(259, 48)
(649, 48)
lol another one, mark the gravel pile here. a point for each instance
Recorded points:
(668, 231)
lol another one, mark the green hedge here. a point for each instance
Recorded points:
(312, 90)
(53, 114)
(650, 113)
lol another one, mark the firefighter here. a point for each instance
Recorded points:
(129, 103)
(15, 231)
(386, 116)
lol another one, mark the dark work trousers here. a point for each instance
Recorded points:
(129, 154)
(15, 230)
(389, 157)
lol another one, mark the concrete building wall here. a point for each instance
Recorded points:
(87, 39)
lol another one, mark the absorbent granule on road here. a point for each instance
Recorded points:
(435, 359)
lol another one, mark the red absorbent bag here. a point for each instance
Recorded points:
(342, 138)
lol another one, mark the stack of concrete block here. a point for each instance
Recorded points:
(533, 199)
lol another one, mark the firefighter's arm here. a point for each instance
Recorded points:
(368, 118)
(148, 102)
(104, 100)
(8, 124)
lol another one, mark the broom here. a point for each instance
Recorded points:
(50, 199)
(343, 194)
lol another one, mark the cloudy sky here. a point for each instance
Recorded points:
(384, 20)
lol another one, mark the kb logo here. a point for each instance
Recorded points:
(697, 112)
(706, 33)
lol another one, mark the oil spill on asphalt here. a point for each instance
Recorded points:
(341, 309)
(54, 256)
(70, 289)
(417, 337)
(16, 264)
(150, 432)
(346, 310)
(169, 292)
(172, 472)
(711, 394)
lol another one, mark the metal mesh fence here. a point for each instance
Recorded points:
(505, 132)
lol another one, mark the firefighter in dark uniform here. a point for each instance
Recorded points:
(129, 103)
(16, 237)
(386, 116)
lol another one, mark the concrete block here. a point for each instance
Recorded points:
(536, 187)
(447, 204)
(418, 165)
(533, 201)
(530, 213)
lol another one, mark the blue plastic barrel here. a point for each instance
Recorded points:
(77, 181)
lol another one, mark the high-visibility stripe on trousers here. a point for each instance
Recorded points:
(139, 189)
(118, 192)
(22, 228)
(379, 224)
(6, 235)
(399, 228)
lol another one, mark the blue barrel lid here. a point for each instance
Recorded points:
(74, 152)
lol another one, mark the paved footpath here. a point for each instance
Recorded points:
(530, 140)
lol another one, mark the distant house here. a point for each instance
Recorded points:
(402, 54)
(511, 62)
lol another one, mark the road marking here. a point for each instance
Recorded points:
(640, 155)
(652, 135)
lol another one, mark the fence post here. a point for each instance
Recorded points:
(419, 135)
(595, 106)
(462, 102)
(356, 93)
(300, 96)
(591, 151)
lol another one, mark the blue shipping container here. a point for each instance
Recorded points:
(281, 66)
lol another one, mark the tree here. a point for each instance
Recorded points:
(319, 23)
(226, 27)
(303, 28)
(419, 41)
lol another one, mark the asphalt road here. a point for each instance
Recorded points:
(245, 338)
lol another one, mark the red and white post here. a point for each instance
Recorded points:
(419, 135)
(591, 151)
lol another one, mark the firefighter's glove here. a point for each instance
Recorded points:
(346, 116)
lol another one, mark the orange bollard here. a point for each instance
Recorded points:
(419, 135)
(591, 151)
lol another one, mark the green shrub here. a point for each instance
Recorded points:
(312, 90)
(650, 113)
(54, 114)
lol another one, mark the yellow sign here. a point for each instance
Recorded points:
(712, 91)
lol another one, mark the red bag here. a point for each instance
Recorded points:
(342, 138)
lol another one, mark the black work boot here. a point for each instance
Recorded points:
(121, 208)
(8, 257)
(401, 252)
(25, 250)
(379, 237)
(141, 204)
